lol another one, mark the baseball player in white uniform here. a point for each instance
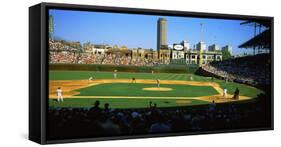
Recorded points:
(115, 74)
(191, 78)
(90, 79)
(225, 93)
(59, 94)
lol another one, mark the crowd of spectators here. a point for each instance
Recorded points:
(251, 70)
(89, 58)
(143, 62)
(63, 57)
(117, 59)
(59, 46)
(62, 53)
(97, 121)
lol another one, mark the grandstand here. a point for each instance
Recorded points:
(262, 36)
(252, 70)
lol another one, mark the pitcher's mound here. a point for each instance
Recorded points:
(157, 89)
(183, 102)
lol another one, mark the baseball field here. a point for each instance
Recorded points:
(175, 89)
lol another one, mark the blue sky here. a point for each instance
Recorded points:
(135, 30)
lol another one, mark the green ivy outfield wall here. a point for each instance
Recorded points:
(126, 68)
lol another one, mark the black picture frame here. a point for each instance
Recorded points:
(38, 66)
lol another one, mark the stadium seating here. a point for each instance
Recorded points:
(252, 70)
(63, 53)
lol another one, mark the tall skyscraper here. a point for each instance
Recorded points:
(161, 33)
(213, 47)
(227, 48)
(201, 45)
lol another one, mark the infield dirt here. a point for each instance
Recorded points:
(70, 86)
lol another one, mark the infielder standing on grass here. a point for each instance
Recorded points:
(158, 82)
(115, 74)
(59, 94)
(90, 79)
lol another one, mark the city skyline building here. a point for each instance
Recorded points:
(227, 48)
(214, 47)
(161, 33)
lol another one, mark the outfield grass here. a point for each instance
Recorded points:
(122, 103)
(135, 89)
(82, 75)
